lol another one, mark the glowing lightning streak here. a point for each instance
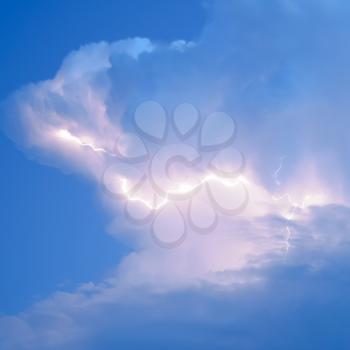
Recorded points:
(65, 134)
(275, 175)
(294, 206)
(126, 190)
(183, 188)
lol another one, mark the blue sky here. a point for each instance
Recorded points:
(76, 274)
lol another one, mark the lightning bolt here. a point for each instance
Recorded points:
(276, 173)
(293, 205)
(181, 188)
(68, 136)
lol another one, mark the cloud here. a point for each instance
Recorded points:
(258, 315)
(281, 70)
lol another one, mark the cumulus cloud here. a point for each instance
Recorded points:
(280, 68)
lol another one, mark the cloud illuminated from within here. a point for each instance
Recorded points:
(286, 87)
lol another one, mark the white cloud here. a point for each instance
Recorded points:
(128, 299)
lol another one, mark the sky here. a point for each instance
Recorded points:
(175, 175)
